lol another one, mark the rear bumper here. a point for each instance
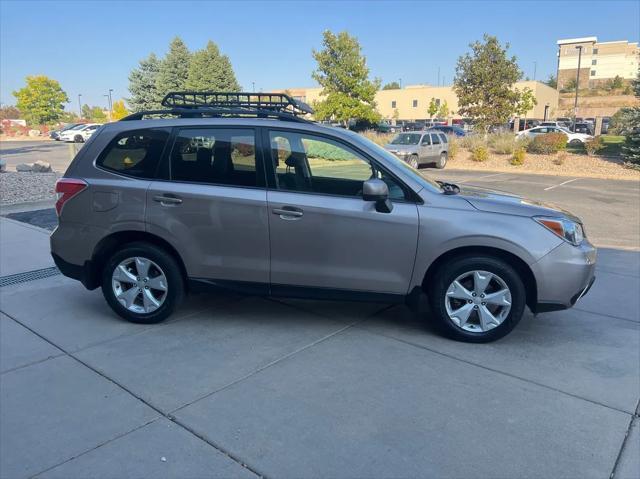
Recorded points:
(82, 273)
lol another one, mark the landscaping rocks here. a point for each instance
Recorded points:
(20, 188)
(41, 167)
(24, 167)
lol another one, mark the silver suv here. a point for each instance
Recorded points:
(240, 192)
(420, 148)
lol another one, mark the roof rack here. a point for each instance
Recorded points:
(190, 104)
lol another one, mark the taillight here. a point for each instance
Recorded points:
(67, 188)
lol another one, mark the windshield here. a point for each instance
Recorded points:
(406, 139)
(391, 158)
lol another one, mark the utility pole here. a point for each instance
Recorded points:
(575, 104)
(438, 76)
(535, 67)
(107, 97)
(253, 86)
(79, 106)
(400, 82)
(110, 102)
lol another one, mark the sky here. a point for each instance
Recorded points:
(90, 46)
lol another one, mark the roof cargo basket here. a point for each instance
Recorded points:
(192, 104)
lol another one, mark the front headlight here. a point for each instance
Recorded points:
(566, 229)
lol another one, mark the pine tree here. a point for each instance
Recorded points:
(209, 70)
(174, 68)
(631, 147)
(142, 85)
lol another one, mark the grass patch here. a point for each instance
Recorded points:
(612, 145)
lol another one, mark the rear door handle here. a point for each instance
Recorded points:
(288, 212)
(167, 200)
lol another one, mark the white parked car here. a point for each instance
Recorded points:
(80, 133)
(572, 138)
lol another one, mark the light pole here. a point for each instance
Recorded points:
(253, 86)
(110, 101)
(575, 104)
(79, 106)
(535, 67)
(107, 97)
(400, 82)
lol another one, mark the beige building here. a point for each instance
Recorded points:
(412, 102)
(599, 63)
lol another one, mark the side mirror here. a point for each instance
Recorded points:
(378, 191)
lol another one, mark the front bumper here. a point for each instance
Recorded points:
(564, 276)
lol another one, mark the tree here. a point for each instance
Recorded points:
(142, 85)
(41, 101)
(443, 112)
(394, 85)
(616, 83)
(433, 108)
(94, 114)
(526, 102)
(174, 68)
(552, 81)
(9, 113)
(119, 110)
(212, 71)
(571, 85)
(344, 76)
(484, 83)
(631, 147)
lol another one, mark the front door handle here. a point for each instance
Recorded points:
(167, 200)
(288, 212)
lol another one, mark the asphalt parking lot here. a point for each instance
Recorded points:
(244, 387)
(57, 153)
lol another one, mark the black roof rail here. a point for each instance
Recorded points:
(191, 104)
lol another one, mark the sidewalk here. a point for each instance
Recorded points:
(23, 247)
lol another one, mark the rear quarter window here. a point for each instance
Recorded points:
(135, 153)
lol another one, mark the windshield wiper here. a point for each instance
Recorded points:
(449, 188)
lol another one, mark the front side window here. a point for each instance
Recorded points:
(426, 140)
(312, 164)
(217, 156)
(406, 139)
(135, 153)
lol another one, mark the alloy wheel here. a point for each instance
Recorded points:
(413, 161)
(139, 285)
(478, 301)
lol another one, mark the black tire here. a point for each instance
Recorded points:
(448, 272)
(414, 161)
(575, 142)
(442, 161)
(78, 139)
(175, 282)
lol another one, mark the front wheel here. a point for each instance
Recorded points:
(575, 142)
(78, 139)
(477, 298)
(442, 161)
(413, 161)
(142, 283)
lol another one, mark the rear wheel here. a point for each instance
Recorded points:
(142, 283)
(575, 142)
(442, 161)
(78, 139)
(413, 161)
(477, 298)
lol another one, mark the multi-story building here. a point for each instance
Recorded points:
(412, 101)
(600, 62)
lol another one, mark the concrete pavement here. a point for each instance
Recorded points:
(242, 387)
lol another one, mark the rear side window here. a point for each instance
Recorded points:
(217, 156)
(443, 137)
(435, 139)
(135, 153)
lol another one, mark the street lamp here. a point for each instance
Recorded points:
(400, 82)
(575, 104)
(535, 68)
(107, 97)
(110, 100)
(79, 106)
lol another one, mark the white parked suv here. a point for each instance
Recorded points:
(80, 133)
(572, 138)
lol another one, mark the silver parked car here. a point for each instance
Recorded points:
(239, 192)
(420, 148)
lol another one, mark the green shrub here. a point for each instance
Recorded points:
(503, 143)
(518, 156)
(454, 146)
(480, 153)
(593, 146)
(547, 144)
